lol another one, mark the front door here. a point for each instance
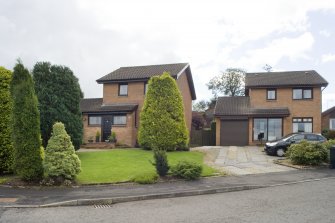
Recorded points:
(106, 127)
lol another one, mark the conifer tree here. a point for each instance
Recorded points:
(6, 105)
(26, 125)
(162, 121)
(61, 161)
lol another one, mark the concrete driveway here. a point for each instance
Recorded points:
(237, 160)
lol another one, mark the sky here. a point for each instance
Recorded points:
(93, 38)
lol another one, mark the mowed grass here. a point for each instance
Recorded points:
(122, 165)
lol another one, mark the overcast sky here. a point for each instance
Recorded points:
(96, 37)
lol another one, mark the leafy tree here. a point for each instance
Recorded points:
(6, 104)
(26, 125)
(59, 94)
(61, 162)
(200, 106)
(230, 82)
(162, 121)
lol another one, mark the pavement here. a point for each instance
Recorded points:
(108, 194)
(245, 160)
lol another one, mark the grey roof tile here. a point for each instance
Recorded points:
(95, 105)
(240, 106)
(287, 78)
(142, 72)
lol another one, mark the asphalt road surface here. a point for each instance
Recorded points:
(303, 202)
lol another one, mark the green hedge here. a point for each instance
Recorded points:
(307, 153)
(6, 106)
(187, 170)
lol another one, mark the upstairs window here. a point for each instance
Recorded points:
(271, 94)
(300, 93)
(123, 89)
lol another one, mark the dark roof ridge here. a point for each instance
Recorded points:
(151, 65)
(287, 71)
(328, 110)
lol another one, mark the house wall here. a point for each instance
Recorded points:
(124, 133)
(298, 108)
(218, 131)
(136, 95)
(187, 99)
(325, 120)
(89, 131)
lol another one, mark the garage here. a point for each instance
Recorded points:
(234, 132)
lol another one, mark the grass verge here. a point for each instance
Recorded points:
(123, 165)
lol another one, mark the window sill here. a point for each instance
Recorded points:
(94, 125)
(119, 125)
(303, 99)
(123, 96)
(271, 100)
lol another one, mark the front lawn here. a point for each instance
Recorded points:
(122, 165)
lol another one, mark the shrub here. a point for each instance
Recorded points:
(331, 134)
(161, 162)
(60, 161)
(187, 170)
(162, 121)
(307, 153)
(146, 178)
(26, 126)
(59, 94)
(328, 144)
(6, 105)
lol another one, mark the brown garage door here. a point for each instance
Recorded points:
(234, 133)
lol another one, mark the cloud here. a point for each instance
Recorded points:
(328, 58)
(95, 37)
(325, 33)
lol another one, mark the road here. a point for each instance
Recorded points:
(303, 202)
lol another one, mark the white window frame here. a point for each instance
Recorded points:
(96, 118)
(331, 126)
(120, 120)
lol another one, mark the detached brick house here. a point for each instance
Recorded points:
(123, 97)
(328, 119)
(275, 104)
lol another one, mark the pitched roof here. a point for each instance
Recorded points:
(330, 110)
(240, 106)
(287, 78)
(95, 105)
(143, 73)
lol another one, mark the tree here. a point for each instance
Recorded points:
(162, 121)
(61, 162)
(26, 125)
(230, 82)
(59, 95)
(6, 104)
(200, 106)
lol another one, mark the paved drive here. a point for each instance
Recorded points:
(244, 160)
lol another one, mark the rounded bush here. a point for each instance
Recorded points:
(307, 153)
(187, 170)
(146, 178)
(60, 160)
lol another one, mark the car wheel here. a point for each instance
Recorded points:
(280, 152)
